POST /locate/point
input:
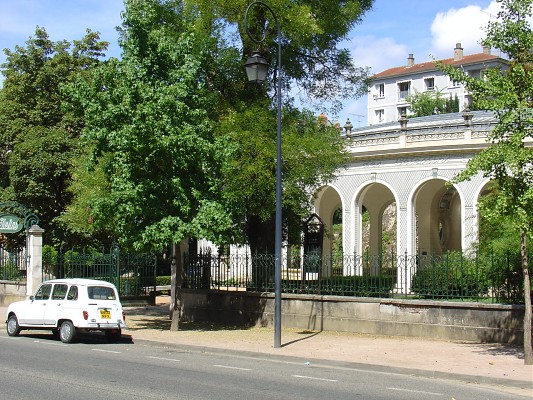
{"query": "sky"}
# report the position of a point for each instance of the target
(387, 34)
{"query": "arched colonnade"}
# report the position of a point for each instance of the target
(398, 185)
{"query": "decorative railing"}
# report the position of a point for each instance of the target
(12, 265)
(133, 274)
(454, 276)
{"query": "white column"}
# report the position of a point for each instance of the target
(405, 242)
(34, 270)
(470, 228)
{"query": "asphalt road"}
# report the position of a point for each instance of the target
(35, 366)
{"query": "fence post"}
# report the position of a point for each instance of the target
(34, 270)
(407, 287)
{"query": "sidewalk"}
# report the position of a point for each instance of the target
(488, 364)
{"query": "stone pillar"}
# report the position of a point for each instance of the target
(405, 243)
(470, 225)
(356, 239)
(34, 270)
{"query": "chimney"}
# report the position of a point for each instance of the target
(458, 52)
(486, 50)
(410, 60)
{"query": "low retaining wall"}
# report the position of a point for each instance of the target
(11, 291)
(460, 321)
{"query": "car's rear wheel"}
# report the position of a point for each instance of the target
(67, 331)
(13, 327)
(113, 335)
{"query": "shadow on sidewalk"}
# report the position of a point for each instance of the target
(309, 335)
(157, 318)
(498, 349)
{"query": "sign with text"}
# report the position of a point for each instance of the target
(10, 224)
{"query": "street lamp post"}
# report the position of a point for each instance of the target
(256, 69)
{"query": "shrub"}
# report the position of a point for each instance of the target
(450, 276)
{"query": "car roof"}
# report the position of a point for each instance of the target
(80, 282)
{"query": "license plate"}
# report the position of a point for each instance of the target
(105, 314)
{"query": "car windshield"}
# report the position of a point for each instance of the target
(101, 293)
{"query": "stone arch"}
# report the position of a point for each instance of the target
(328, 201)
(482, 190)
(436, 217)
(375, 197)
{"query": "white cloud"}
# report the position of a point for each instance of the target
(464, 25)
(378, 53)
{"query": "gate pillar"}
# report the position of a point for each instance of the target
(34, 270)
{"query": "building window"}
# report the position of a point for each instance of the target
(380, 116)
(403, 90)
(429, 83)
(380, 89)
(475, 73)
(402, 111)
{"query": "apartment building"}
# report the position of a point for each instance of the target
(387, 98)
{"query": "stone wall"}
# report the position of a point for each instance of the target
(473, 322)
(11, 291)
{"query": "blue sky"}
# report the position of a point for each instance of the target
(385, 37)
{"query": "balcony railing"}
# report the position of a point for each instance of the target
(403, 94)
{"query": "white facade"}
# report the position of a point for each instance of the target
(389, 89)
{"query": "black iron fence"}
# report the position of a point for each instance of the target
(13, 265)
(453, 276)
(134, 275)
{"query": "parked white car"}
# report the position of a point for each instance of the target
(69, 306)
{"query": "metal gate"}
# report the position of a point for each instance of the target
(134, 275)
(15, 222)
(13, 264)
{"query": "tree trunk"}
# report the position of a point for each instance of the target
(528, 352)
(176, 284)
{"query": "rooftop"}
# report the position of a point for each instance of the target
(458, 60)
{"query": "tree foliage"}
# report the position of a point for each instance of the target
(148, 127)
(312, 31)
(509, 158)
(170, 126)
(431, 102)
(312, 154)
(38, 139)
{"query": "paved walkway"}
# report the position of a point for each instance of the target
(497, 365)
(488, 364)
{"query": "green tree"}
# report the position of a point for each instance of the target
(427, 103)
(150, 135)
(312, 154)
(311, 30)
(38, 139)
(509, 157)
(496, 235)
(312, 62)
(149, 127)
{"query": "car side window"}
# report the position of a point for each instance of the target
(73, 293)
(44, 292)
(59, 292)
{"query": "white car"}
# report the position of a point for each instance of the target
(68, 306)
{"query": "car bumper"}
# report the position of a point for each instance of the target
(101, 327)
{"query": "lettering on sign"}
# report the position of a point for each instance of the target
(10, 224)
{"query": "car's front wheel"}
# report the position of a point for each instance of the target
(13, 327)
(67, 331)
